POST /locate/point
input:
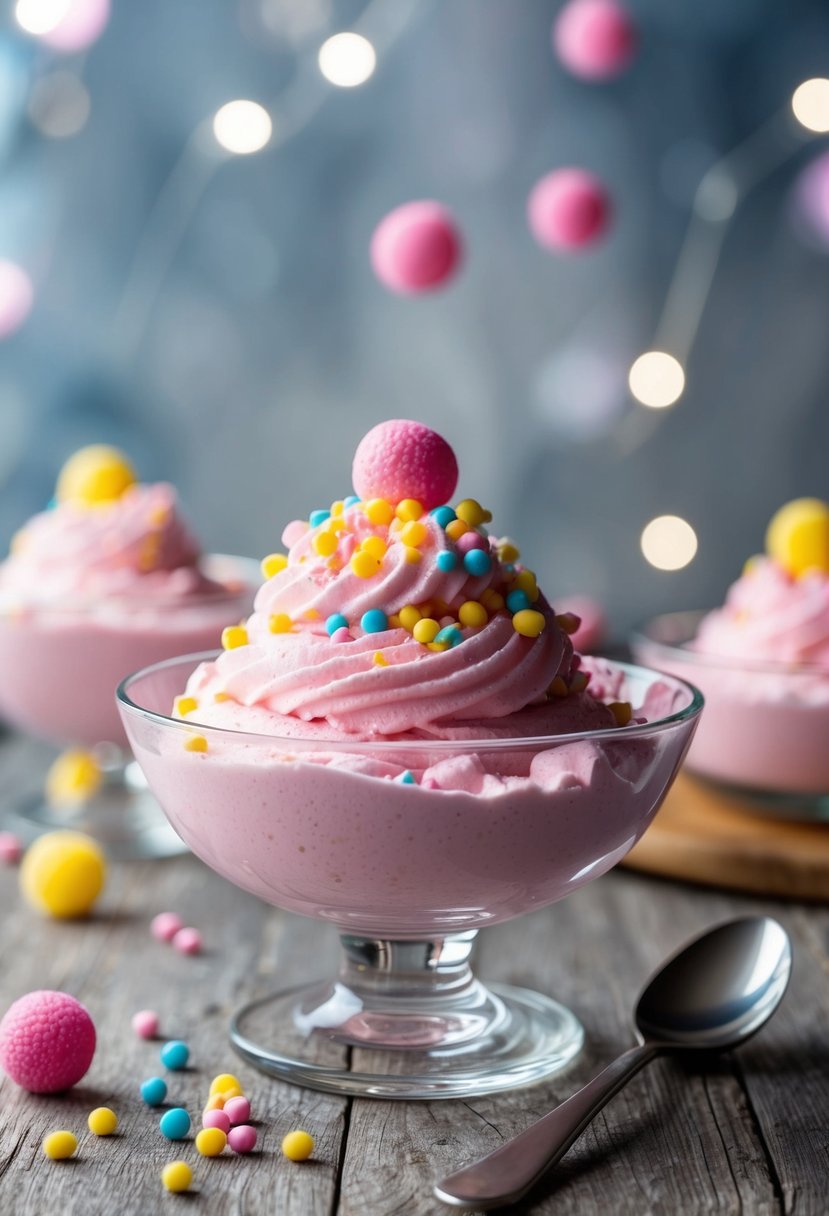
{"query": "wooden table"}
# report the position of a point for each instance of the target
(750, 1134)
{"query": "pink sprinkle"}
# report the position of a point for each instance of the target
(11, 848)
(188, 941)
(216, 1118)
(145, 1023)
(416, 247)
(341, 634)
(242, 1139)
(237, 1110)
(165, 926)
(471, 540)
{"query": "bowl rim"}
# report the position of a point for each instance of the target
(381, 747)
(685, 623)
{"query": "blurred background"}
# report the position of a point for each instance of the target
(198, 289)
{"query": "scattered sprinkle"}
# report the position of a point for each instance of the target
(102, 1121)
(334, 622)
(273, 564)
(529, 623)
(145, 1023)
(177, 1176)
(280, 622)
(154, 1090)
(165, 926)
(234, 636)
(174, 1123)
(188, 941)
(196, 743)
(175, 1054)
(477, 562)
(60, 1145)
(298, 1146)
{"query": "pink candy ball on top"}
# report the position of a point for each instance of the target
(416, 247)
(402, 459)
(568, 209)
(595, 39)
(47, 1041)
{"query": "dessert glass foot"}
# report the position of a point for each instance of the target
(361, 835)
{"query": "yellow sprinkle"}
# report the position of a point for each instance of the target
(394, 621)
(233, 1091)
(234, 636)
(493, 601)
(94, 476)
(177, 1176)
(471, 512)
(73, 778)
(559, 688)
(60, 1145)
(157, 517)
(526, 581)
(375, 546)
(472, 614)
(102, 1121)
(425, 609)
(185, 705)
(508, 552)
(412, 556)
(568, 621)
(379, 659)
(456, 529)
(312, 614)
(298, 1146)
(621, 711)
(528, 623)
(798, 537)
(409, 508)
(409, 616)
(273, 563)
(437, 645)
(413, 533)
(210, 1141)
(426, 630)
(214, 1102)
(196, 743)
(280, 622)
(337, 507)
(218, 697)
(364, 565)
(379, 511)
(224, 1080)
(579, 682)
(324, 544)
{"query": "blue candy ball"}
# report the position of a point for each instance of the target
(518, 600)
(154, 1091)
(335, 621)
(318, 517)
(175, 1054)
(477, 562)
(351, 501)
(446, 560)
(374, 621)
(175, 1123)
(443, 515)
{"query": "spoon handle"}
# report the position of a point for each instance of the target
(508, 1173)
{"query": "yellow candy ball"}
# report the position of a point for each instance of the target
(60, 1145)
(211, 1141)
(94, 476)
(529, 623)
(364, 565)
(413, 533)
(798, 536)
(471, 512)
(379, 511)
(225, 1080)
(298, 1146)
(102, 1121)
(273, 564)
(63, 874)
(472, 614)
(408, 508)
(426, 630)
(409, 616)
(375, 546)
(73, 778)
(177, 1176)
(324, 544)
(234, 636)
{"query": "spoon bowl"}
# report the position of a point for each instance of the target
(712, 995)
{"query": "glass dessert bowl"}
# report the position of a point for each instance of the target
(92, 590)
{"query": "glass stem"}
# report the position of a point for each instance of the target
(373, 967)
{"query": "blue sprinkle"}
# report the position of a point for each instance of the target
(374, 621)
(509, 568)
(154, 1091)
(351, 501)
(318, 517)
(406, 778)
(477, 561)
(518, 600)
(446, 560)
(335, 621)
(450, 634)
(175, 1123)
(443, 515)
(175, 1054)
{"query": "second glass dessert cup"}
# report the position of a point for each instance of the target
(408, 873)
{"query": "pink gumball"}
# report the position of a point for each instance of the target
(595, 39)
(568, 209)
(47, 1041)
(242, 1139)
(237, 1110)
(402, 459)
(416, 247)
(216, 1118)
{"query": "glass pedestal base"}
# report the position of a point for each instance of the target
(407, 1020)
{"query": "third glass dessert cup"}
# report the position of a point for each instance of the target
(407, 873)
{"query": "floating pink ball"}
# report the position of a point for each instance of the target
(11, 848)
(165, 926)
(216, 1118)
(568, 209)
(237, 1110)
(145, 1023)
(595, 39)
(242, 1139)
(416, 247)
(16, 297)
(402, 459)
(188, 941)
(47, 1041)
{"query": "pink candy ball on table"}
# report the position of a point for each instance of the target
(47, 1041)
(145, 1023)
(237, 1110)
(595, 39)
(242, 1139)
(165, 926)
(403, 459)
(188, 941)
(568, 209)
(415, 248)
(216, 1118)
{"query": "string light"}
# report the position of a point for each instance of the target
(656, 379)
(242, 127)
(669, 543)
(347, 60)
(810, 102)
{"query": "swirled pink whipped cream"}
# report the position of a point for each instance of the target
(770, 614)
(335, 647)
(135, 547)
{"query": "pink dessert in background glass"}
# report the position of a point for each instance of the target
(762, 662)
(107, 579)
(402, 741)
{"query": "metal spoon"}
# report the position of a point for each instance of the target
(712, 995)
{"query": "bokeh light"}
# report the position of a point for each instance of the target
(810, 102)
(66, 25)
(669, 543)
(242, 127)
(59, 105)
(579, 393)
(38, 17)
(347, 60)
(656, 379)
(16, 297)
(811, 199)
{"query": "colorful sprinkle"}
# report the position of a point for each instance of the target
(526, 581)
(341, 635)
(443, 515)
(60, 1145)
(406, 778)
(471, 540)
(364, 565)
(318, 517)
(102, 1121)
(450, 634)
(379, 512)
(375, 546)
(234, 636)
(184, 706)
(426, 630)
(177, 1176)
(298, 1146)
(508, 552)
(175, 1054)
(472, 614)
(216, 1117)
(351, 501)
(273, 564)
(622, 712)
(529, 623)
(559, 687)
(325, 544)
(446, 560)
(411, 554)
(374, 621)
(154, 1091)
(334, 622)
(518, 600)
(472, 513)
(408, 509)
(222, 1082)
(165, 926)
(477, 562)
(195, 743)
(242, 1139)
(568, 621)
(493, 601)
(188, 941)
(211, 1141)
(280, 622)
(145, 1023)
(409, 616)
(413, 533)
(456, 529)
(11, 848)
(380, 659)
(237, 1109)
(175, 1123)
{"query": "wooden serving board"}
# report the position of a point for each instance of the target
(704, 835)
